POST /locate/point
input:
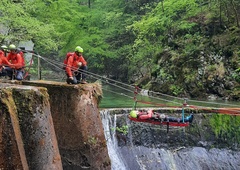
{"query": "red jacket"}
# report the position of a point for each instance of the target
(72, 63)
(4, 61)
(2, 54)
(16, 60)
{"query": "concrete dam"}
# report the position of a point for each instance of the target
(51, 125)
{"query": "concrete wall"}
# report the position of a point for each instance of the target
(58, 116)
(28, 139)
(77, 124)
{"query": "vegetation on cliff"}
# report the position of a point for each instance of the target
(180, 47)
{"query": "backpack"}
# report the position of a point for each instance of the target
(23, 59)
(22, 55)
(66, 59)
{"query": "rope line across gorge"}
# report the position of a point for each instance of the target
(135, 91)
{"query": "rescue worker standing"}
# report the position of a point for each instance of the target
(75, 64)
(17, 63)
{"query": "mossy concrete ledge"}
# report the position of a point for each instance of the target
(77, 124)
(27, 136)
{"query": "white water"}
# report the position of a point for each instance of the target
(109, 132)
(131, 157)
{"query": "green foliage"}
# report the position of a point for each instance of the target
(160, 21)
(236, 75)
(226, 127)
(176, 90)
(130, 40)
(157, 29)
(123, 129)
(92, 140)
(19, 22)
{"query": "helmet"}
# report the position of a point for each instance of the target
(4, 47)
(133, 114)
(12, 47)
(79, 49)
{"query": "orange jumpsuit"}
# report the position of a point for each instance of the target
(3, 60)
(16, 60)
(145, 115)
(72, 64)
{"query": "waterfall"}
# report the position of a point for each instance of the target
(132, 156)
(109, 127)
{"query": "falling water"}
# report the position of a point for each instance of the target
(132, 157)
(139, 157)
(109, 132)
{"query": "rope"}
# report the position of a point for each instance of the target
(206, 102)
(122, 94)
(229, 111)
(218, 110)
(129, 88)
(27, 72)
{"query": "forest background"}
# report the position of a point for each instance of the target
(187, 48)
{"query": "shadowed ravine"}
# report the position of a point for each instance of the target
(148, 147)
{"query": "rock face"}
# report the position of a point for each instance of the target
(77, 124)
(28, 139)
(51, 126)
(207, 130)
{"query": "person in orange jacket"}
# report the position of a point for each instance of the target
(4, 50)
(17, 63)
(4, 63)
(142, 115)
(76, 65)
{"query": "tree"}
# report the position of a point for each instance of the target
(19, 24)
